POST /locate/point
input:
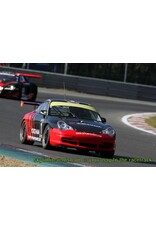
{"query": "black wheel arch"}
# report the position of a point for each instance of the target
(45, 125)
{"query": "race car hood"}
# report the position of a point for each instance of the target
(87, 126)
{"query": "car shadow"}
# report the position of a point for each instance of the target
(93, 154)
(116, 158)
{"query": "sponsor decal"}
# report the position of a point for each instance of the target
(97, 126)
(72, 123)
(35, 131)
(35, 138)
(73, 104)
(88, 134)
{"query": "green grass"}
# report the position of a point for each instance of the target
(151, 121)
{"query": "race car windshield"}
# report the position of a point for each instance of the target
(75, 112)
(7, 78)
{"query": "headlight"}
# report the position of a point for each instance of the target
(109, 131)
(63, 126)
(1, 88)
(10, 87)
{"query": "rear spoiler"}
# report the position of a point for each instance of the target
(37, 103)
(33, 75)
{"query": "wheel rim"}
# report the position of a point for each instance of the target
(46, 137)
(23, 132)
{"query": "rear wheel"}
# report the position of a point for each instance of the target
(34, 92)
(23, 134)
(46, 138)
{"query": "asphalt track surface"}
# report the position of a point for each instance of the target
(133, 147)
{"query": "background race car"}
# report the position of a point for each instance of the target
(17, 86)
(68, 123)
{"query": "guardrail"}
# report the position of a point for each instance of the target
(91, 85)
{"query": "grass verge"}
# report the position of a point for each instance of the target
(151, 121)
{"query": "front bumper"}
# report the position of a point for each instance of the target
(82, 140)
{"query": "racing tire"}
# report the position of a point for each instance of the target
(109, 154)
(23, 134)
(20, 94)
(20, 91)
(46, 138)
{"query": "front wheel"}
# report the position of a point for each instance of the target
(46, 138)
(23, 134)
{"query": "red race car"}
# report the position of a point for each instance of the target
(17, 86)
(68, 123)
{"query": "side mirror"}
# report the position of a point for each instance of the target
(103, 120)
(43, 112)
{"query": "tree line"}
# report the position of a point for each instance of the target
(136, 72)
(142, 73)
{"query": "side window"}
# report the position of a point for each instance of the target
(44, 106)
(22, 79)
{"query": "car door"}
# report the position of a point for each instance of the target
(38, 120)
(24, 85)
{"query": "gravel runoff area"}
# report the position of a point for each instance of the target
(10, 162)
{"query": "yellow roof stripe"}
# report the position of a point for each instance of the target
(55, 103)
